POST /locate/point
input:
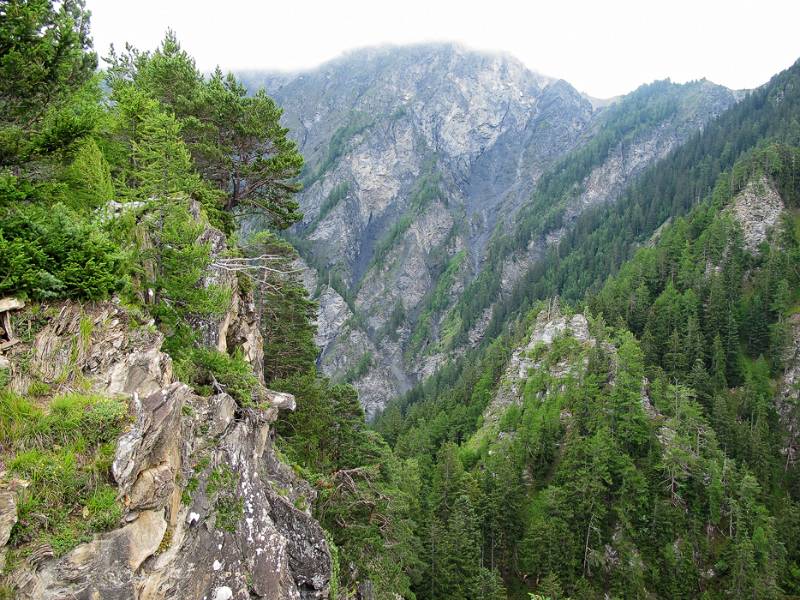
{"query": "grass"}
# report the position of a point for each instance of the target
(38, 388)
(228, 506)
(64, 451)
(86, 328)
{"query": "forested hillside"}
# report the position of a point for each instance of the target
(595, 242)
(650, 448)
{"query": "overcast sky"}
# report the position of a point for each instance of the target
(604, 48)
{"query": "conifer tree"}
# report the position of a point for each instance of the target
(718, 365)
(45, 58)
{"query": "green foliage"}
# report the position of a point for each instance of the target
(288, 315)
(359, 483)
(358, 370)
(45, 60)
(173, 266)
(208, 370)
(88, 177)
(235, 139)
(162, 229)
(336, 569)
(603, 237)
(228, 505)
(53, 251)
(65, 453)
(580, 472)
(435, 304)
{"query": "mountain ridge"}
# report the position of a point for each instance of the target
(415, 155)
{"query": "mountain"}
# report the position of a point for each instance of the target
(416, 157)
(179, 461)
(601, 341)
(636, 438)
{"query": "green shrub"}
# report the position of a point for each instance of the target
(88, 177)
(52, 251)
(229, 507)
(203, 366)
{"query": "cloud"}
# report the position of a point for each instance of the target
(603, 48)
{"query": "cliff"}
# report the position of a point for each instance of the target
(202, 506)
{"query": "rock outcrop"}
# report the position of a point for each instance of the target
(757, 209)
(550, 325)
(209, 509)
(100, 345)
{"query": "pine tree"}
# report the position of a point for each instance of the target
(781, 299)
(675, 356)
(699, 381)
(757, 328)
(718, 365)
(550, 587)
(731, 344)
(45, 59)
(235, 138)
(463, 570)
(502, 499)
(447, 484)
(693, 341)
(628, 421)
(488, 586)
(88, 177)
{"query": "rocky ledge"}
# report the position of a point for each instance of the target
(208, 509)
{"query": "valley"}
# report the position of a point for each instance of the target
(418, 323)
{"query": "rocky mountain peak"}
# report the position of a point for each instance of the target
(417, 156)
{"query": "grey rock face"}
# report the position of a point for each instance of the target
(757, 209)
(417, 154)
